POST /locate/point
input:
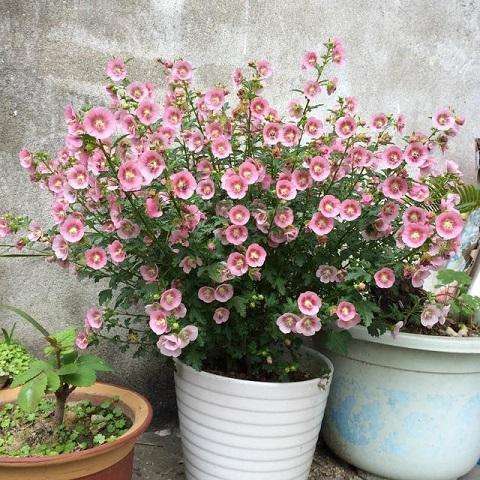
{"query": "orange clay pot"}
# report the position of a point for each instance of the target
(111, 461)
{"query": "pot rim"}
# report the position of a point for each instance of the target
(417, 341)
(240, 381)
(133, 433)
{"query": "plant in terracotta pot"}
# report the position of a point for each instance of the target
(55, 417)
(226, 232)
(14, 358)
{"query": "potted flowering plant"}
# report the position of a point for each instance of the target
(228, 232)
(57, 422)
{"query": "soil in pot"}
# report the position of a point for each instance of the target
(86, 425)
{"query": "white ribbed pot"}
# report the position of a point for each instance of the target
(241, 430)
(406, 408)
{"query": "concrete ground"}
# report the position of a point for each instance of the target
(158, 456)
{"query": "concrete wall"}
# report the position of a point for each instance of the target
(406, 56)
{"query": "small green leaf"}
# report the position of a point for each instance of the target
(32, 392)
(83, 377)
(447, 276)
(337, 341)
(93, 362)
(105, 296)
(53, 381)
(67, 369)
(36, 367)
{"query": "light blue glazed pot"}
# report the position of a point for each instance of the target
(406, 408)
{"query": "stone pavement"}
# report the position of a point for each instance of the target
(158, 456)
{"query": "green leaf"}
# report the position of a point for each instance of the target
(53, 381)
(32, 392)
(36, 367)
(67, 369)
(469, 198)
(367, 311)
(240, 305)
(336, 341)
(93, 362)
(83, 377)
(104, 296)
(447, 276)
(65, 340)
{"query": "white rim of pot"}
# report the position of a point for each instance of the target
(420, 342)
(204, 374)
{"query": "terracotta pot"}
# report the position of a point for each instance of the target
(111, 461)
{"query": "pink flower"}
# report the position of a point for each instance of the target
(239, 215)
(116, 69)
(443, 119)
(287, 322)
(56, 183)
(137, 91)
(313, 127)
(152, 207)
(206, 294)
(394, 187)
(271, 133)
(223, 293)
(170, 299)
(284, 217)
(214, 99)
(94, 318)
(285, 190)
(350, 210)
(72, 229)
(236, 234)
(309, 60)
(172, 117)
(431, 315)
(414, 235)
(151, 165)
(389, 211)
(221, 147)
(351, 104)
(255, 255)
(158, 322)
(96, 258)
(419, 277)
(77, 177)
(60, 247)
(149, 273)
(309, 303)
(379, 122)
(206, 189)
(414, 215)
(320, 224)
(384, 278)
(264, 68)
(235, 186)
(26, 159)
(319, 168)
(170, 345)
(116, 251)
(347, 324)
(82, 340)
(130, 176)
(188, 334)
(301, 179)
(329, 206)
(34, 231)
(295, 108)
(99, 123)
(221, 315)
(259, 107)
(182, 70)
(248, 171)
(194, 141)
(148, 112)
(346, 311)
(326, 273)
(449, 224)
(127, 230)
(396, 329)
(392, 157)
(312, 89)
(345, 127)
(308, 325)
(416, 154)
(183, 184)
(290, 135)
(237, 264)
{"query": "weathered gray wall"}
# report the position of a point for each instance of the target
(406, 56)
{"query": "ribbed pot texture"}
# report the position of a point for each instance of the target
(111, 461)
(406, 408)
(241, 430)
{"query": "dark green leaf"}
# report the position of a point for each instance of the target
(93, 362)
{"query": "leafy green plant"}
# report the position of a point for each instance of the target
(14, 358)
(62, 370)
(469, 198)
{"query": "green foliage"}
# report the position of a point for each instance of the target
(469, 198)
(14, 359)
(336, 341)
(25, 434)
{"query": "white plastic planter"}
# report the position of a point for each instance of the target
(406, 408)
(241, 430)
